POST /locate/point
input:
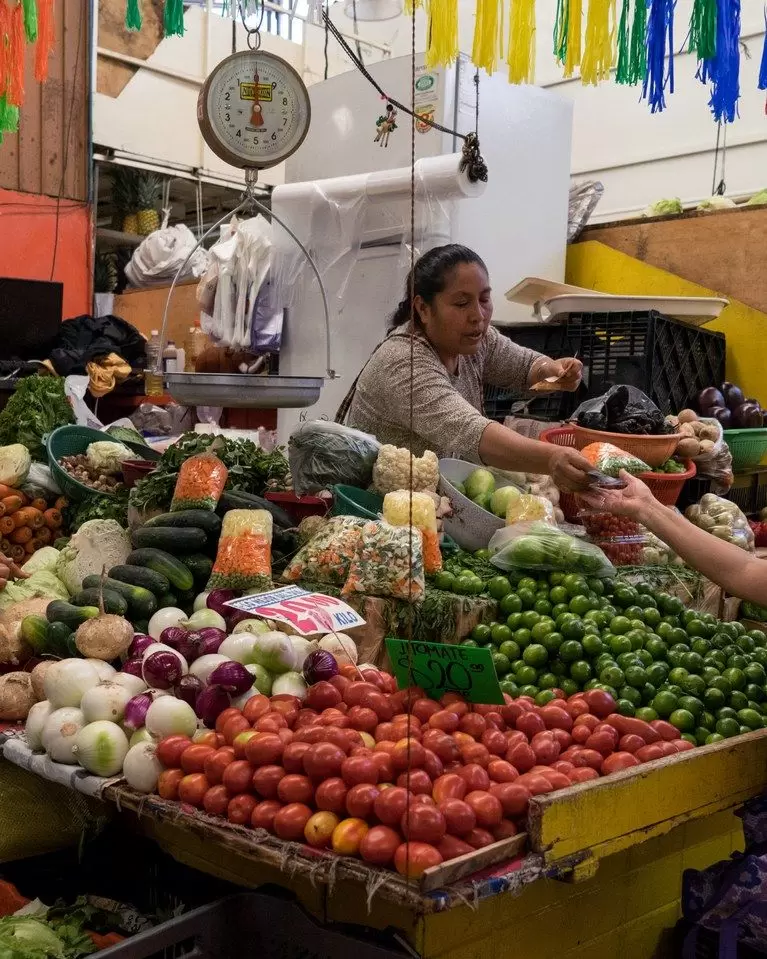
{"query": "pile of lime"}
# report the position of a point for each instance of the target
(658, 659)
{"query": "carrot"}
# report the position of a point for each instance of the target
(30, 547)
(61, 503)
(28, 516)
(5, 547)
(52, 518)
(17, 553)
(21, 535)
(2, 508)
(43, 536)
(7, 491)
(7, 526)
(12, 503)
(39, 504)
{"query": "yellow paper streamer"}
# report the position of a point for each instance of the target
(521, 53)
(442, 32)
(573, 25)
(411, 6)
(487, 35)
(599, 49)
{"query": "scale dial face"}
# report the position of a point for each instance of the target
(254, 110)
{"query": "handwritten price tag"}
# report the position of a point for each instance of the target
(307, 613)
(439, 668)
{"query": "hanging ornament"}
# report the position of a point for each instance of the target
(660, 45)
(442, 31)
(45, 38)
(15, 57)
(4, 30)
(173, 23)
(722, 70)
(763, 67)
(624, 44)
(599, 48)
(703, 29)
(30, 20)
(632, 49)
(9, 118)
(567, 34)
(521, 49)
(133, 18)
(487, 35)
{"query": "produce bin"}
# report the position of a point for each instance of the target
(749, 490)
(747, 447)
(351, 501)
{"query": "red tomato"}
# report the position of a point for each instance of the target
(530, 724)
(514, 737)
(630, 743)
(238, 777)
(602, 742)
(495, 742)
(562, 737)
(264, 750)
(379, 703)
(441, 744)
(556, 717)
(322, 695)
(649, 752)
(406, 724)
(193, 758)
(546, 748)
(583, 774)
(449, 786)
(359, 769)
(225, 715)
(318, 830)
(240, 741)
(558, 780)
(506, 829)
(384, 732)
(333, 717)
(417, 782)
(340, 681)
(586, 719)
(270, 723)
(450, 847)
(412, 859)
(216, 763)
(206, 737)
(266, 779)
(424, 709)
(305, 717)
(331, 796)
(535, 783)
(264, 813)
(475, 753)
(422, 799)
(362, 718)
(216, 800)
(473, 725)
(360, 800)
(293, 757)
(460, 817)
(408, 753)
(379, 845)
(390, 805)
(576, 707)
(385, 767)
(563, 766)
(357, 691)
(475, 777)
(290, 821)
(512, 711)
(487, 808)
(501, 771)
(170, 749)
(287, 709)
(433, 765)
(240, 809)
(348, 835)
(192, 789)
(618, 761)
(167, 783)
(581, 734)
(444, 720)
(463, 739)
(521, 757)
(295, 789)
(233, 726)
(588, 757)
(665, 730)
(323, 761)
(682, 745)
(479, 838)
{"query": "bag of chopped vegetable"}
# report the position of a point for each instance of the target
(326, 558)
(398, 510)
(610, 459)
(244, 557)
(538, 546)
(383, 564)
(528, 508)
(201, 481)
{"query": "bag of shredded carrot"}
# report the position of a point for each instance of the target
(326, 558)
(397, 510)
(383, 565)
(201, 481)
(610, 459)
(244, 557)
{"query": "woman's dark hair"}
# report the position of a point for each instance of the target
(430, 275)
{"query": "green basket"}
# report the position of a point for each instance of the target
(351, 501)
(72, 440)
(747, 447)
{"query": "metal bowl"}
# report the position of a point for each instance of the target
(243, 390)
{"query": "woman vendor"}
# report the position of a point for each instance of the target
(455, 352)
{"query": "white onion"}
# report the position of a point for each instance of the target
(239, 701)
(204, 617)
(238, 648)
(134, 684)
(168, 716)
(262, 682)
(101, 747)
(140, 736)
(142, 768)
(341, 647)
(302, 649)
(291, 683)
(105, 671)
(59, 733)
(170, 616)
(105, 701)
(66, 682)
(201, 601)
(36, 720)
(255, 626)
(204, 666)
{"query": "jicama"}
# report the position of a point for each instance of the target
(244, 557)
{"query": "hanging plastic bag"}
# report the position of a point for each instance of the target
(610, 460)
(722, 519)
(622, 409)
(716, 463)
(323, 454)
(383, 564)
(538, 546)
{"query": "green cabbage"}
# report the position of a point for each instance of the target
(664, 207)
(42, 584)
(43, 559)
(14, 464)
(716, 203)
(758, 198)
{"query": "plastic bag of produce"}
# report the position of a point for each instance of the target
(538, 546)
(326, 558)
(715, 463)
(383, 564)
(201, 481)
(528, 508)
(723, 519)
(322, 454)
(610, 460)
(244, 557)
(397, 511)
(622, 409)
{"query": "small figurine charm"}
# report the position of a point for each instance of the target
(385, 125)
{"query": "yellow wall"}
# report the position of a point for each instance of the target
(598, 267)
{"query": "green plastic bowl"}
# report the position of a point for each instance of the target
(72, 440)
(747, 447)
(351, 501)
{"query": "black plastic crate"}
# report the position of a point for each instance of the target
(749, 490)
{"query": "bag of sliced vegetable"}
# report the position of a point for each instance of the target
(244, 557)
(402, 507)
(201, 481)
(327, 556)
(383, 564)
(539, 546)
(610, 459)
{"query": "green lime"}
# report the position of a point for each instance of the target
(510, 649)
(481, 633)
(463, 586)
(529, 690)
(557, 667)
(728, 727)
(693, 662)
(745, 643)
(620, 625)
(726, 712)
(514, 621)
(612, 676)
(692, 705)
(548, 681)
(664, 704)
(596, 585)
(750, 718)
(511, 603)
(634, 612)
(625, 596)
(558, 610)
(646, 714)
(522, 637)
(530, 618)
(683, 719)
(558, 594)
(572, 628)
(580, 671)
(670, 605)
(737, 662)
(714, 698)
(568, 686)
(500, 633)
(706, 719)
(502, 664)
(526, 675)
(570, 651)
(696, 628)
(652, 617)
(444, 580)
(721, 683)
(714, 738)
(575, 584)
(694, 685)
(630, 694)
(555, 578)
(626, 708)
(657, 673)
(498, 587)
(677, 675)
(535, 655)
(736, 678)
(620, 644)
(509, 686)
(648, 693)
(543, 607)
(527, 582)
(636, 676)
(580, 605)
(526, 597)
(755, 673)
(755, 692)
(552, 642)
(592, 645)
(637, 638)
(543, 697)
(541, 629)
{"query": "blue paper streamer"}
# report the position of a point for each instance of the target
(660, 43)
(763, 68)
(722, 70)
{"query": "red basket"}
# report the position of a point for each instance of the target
(665, 487)
(299, 507)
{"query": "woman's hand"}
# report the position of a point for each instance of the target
(564, 374)
(633, 500)
(568, 469)
(9, 570)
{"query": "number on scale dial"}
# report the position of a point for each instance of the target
(254, 110)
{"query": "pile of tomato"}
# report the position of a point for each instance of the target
(395, 777)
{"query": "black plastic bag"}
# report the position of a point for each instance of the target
(622, 409)
(324, 454)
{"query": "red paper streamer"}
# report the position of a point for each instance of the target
(45, 38)
(4, 24)
(15, 58)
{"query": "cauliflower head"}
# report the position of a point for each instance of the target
(106, 456)
(97, 544)
(391, 471)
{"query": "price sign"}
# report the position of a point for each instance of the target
(305, 612)
(439, 668)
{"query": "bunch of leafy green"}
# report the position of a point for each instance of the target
(251, 469)
(98, 507)
(37, 407)
(57, 933)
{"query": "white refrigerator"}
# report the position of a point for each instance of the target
(518, 224)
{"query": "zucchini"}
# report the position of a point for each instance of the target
(168, 601)
(113, 602)
(180, 576)
(188, 519)
(173, 539)
(59, 611)
(234, 499)
(141, 602)
(140, 576)
(34, 632)
(58, 638)
(201, 567)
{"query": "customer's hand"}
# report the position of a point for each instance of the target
(633, 500)
(568, 469)
(9, 570)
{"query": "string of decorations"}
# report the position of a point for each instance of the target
(633, 40)
(22, 22)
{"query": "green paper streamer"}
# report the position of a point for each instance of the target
(133, 18)
(30, 20)
(624, 45)
(174, 18)
(638, 50)
(703, 29)
(9, 117)
(560, 30)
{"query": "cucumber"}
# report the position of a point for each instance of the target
(234, 499)
(175, 539)
(168, 601)
(113, 602)
(60, 611)
(180, 576)
(58, 639)
(140, 576)
(141, 602)
(34, 632)
(188, 519)
(201, 567)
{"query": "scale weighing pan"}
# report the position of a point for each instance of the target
(243, 390)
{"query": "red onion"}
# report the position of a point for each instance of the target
(217, 598)
(319, 666)
(162, 670)
(211, 702)
(189, 689)
(235, 616)
(172, 635)
(232, 677)
(134, 666)
(136, 710)
(210, 638)
(139, 644)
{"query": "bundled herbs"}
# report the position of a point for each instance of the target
(113, 507)
(37, 407)
(251, 470)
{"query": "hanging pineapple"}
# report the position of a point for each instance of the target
(105, 273)
(148, 187)
(124, 197)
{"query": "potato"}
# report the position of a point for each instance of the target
(685, 429)
(697, 427)
(706, 447)
(709, 432)
(687, 416)
(688, 448)
(16, 696)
